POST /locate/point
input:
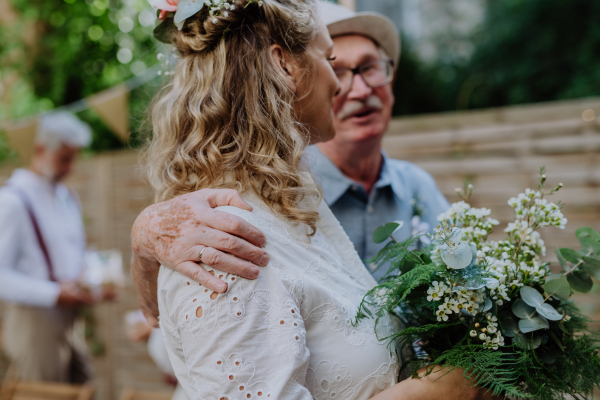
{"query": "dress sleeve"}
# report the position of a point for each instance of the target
(248, 343)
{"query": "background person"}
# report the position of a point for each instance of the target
(42, 244)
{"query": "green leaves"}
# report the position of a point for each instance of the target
(532, 310)
(580, 281)
(531, 296)
(592, 266)
(533, 324)
(382, 233)
(558, 288)
(570, 255)
(585, 262)
(522, 310)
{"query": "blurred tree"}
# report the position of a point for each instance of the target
(535, 50)
(55, 52)
(526, 51)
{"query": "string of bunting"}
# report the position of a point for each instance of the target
(111, 105)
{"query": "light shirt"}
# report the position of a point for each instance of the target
(402, 192)
(23, 269)
(287, 335)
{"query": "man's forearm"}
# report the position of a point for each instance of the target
(23, 289)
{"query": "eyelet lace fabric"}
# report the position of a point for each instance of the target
(287, 334)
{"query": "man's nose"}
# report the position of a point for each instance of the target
(360, 89)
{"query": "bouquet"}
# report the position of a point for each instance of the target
(494, 308)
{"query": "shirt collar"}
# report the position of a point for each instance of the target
(327, 175)
(32, 182)
(334, 183)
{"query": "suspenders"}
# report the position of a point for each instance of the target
(36, 227)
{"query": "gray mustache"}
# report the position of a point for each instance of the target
(353, 106)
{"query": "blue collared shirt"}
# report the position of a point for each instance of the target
(402, 192)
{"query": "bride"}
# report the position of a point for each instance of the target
(252, 89)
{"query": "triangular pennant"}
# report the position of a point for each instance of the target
(20, 136)
(112, 106)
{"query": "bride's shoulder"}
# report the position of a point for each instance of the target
(273, 226)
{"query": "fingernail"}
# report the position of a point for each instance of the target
(224, 288)
(264, 260)
(253, 273)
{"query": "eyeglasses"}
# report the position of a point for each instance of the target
(375, 74)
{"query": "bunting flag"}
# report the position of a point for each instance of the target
(20, 136)
(112, 106)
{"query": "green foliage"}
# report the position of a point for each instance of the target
(550, 356)
(525, 51)
(59, 51)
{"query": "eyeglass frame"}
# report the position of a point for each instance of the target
(356, 71)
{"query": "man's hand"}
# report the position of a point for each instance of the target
(174, 233)
(72, 295)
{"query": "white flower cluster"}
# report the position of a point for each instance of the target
(453, 302)
(489, 335)
(215, 7)
(474, 222)
(531, 206)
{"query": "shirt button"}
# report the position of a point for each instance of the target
(354, 187)
(370, 209)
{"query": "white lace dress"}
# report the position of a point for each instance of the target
(287, 334)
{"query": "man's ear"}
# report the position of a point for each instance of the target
(284, 64)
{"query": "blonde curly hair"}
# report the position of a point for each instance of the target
(226, 118)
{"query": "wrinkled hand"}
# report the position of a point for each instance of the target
(73, 295)
(440, 384)
(174, 233)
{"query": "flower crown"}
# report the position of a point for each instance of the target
(184, 9)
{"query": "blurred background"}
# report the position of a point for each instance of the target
(486, 91)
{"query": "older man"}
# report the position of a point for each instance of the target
(42, 243)
(363, 187)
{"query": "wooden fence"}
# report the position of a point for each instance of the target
(498, 150)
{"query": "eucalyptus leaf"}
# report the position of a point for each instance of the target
(531, 296)
(187, 8)
(510, 327)
(580, 281)
(522, 310)
(558, 288)
(458, 257)
(561, 259)
(585, 231)
(549, 312)
(525, 342)
(555, 276)
(589, 243)
(592, 266)
(383, 232)
(488, 305)
(570, 255)
(533, 324)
